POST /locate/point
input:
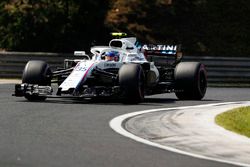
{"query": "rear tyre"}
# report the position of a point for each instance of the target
(38, 73)
(131, 79)
(191, 81)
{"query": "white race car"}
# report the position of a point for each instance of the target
(124, 69)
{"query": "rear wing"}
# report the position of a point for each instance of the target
(166, 49)
(162, 55)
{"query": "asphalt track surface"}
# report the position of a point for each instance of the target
(65, 132)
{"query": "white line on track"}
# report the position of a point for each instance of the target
(117, 125)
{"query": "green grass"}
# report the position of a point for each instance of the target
(236, 120)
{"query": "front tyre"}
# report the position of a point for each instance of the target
(36, 72)
(190, 80)
(131, 79)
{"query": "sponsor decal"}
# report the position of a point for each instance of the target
(137, 58)
(109, 65)
(81, 68)
(159, 47)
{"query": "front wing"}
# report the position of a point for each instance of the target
(22, 90)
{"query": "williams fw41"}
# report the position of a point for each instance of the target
(124, 70)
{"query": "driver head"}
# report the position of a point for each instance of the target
(112, 56)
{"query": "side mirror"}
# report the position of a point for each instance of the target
(79, 53)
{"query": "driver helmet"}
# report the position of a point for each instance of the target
(112, 56)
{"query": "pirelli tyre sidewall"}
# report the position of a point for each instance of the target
(190, 81)
(131, 80)
(39, 73)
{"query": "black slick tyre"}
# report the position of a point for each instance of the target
(131, 80)
(190, 81)
(38, 73)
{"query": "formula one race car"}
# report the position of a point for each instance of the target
(125, 69)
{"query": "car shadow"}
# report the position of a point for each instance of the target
(148, 101)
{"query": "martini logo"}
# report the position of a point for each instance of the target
(160, 47)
